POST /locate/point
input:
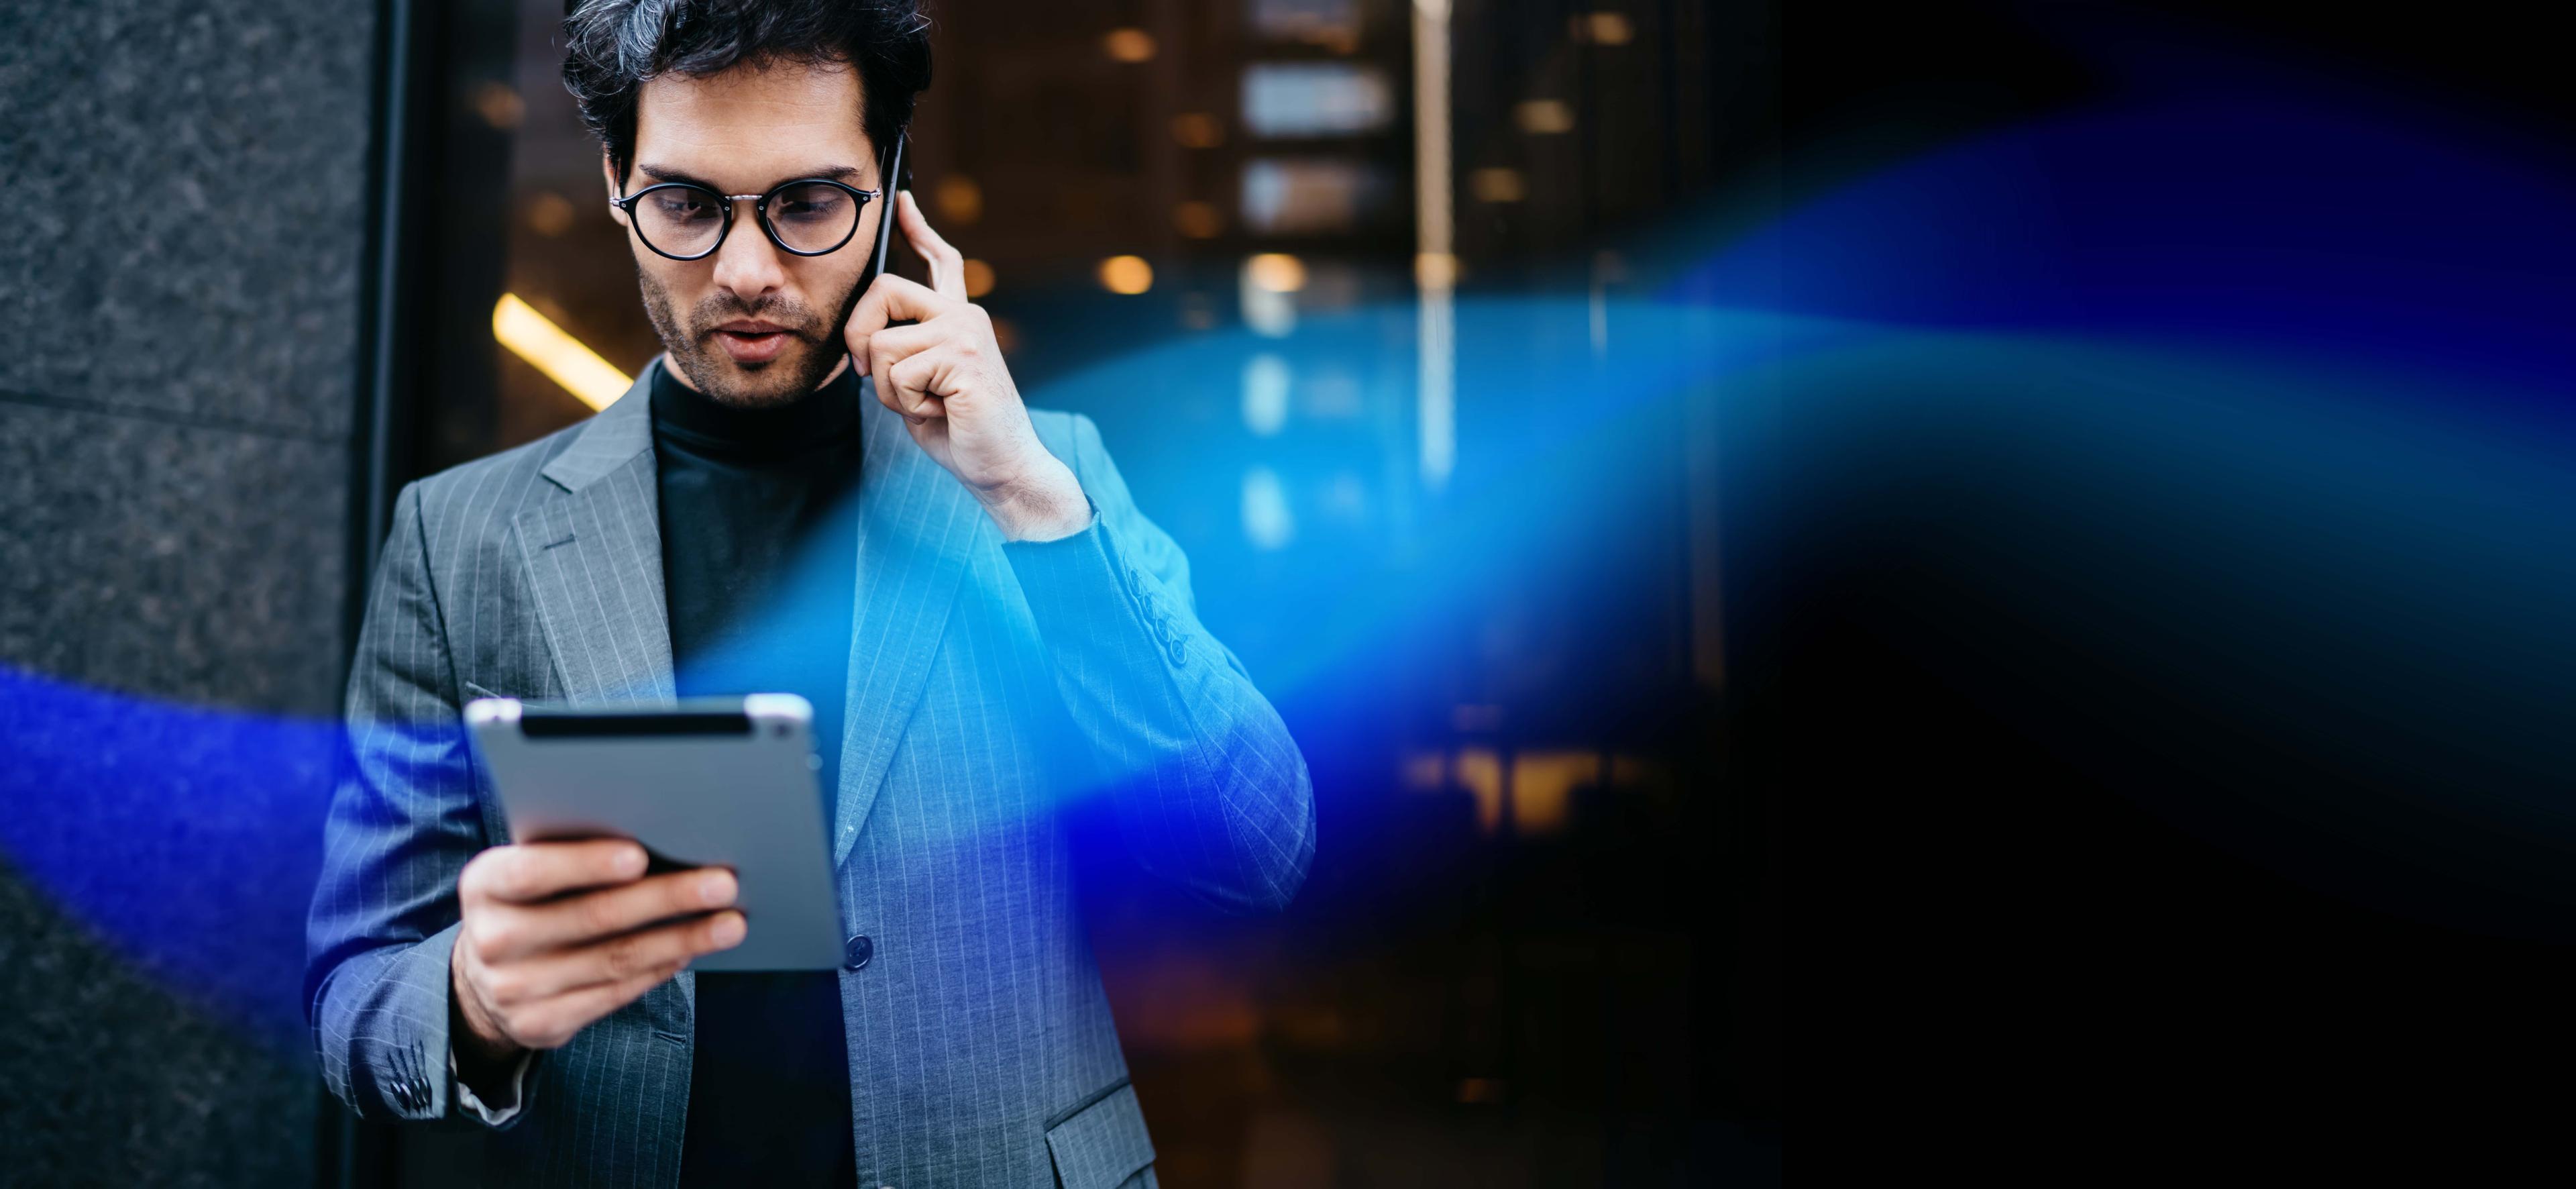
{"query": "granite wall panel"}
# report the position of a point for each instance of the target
(187, 204)
(174, 560)
(179, 280)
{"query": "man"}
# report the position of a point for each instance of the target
(987, 625)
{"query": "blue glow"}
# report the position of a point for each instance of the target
(2256, 364)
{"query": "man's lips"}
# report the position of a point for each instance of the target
(753, 341)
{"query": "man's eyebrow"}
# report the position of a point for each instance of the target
(664, 173)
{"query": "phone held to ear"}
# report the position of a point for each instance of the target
(892, 181)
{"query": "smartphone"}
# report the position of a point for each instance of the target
(891, 179)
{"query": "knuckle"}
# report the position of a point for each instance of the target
(505, 987)
(624, 957)
(496, 938)
(476, 881)
(599, 914)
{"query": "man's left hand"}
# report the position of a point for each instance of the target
(944, 375)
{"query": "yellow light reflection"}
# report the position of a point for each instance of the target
(1436, 270)
(960, 200)
(533, 337)
(1543, 117)
(1277, 272)
(1129, 45)
(1126, 274)
(1608, 28)
(1197, 130)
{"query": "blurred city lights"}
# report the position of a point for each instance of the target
(1543, 117)
(1605, 28)
(1266, 520)
(960, 199)
(1197, 130)
(534, 337)
(1265, 394)
(1197, 220)
(979, 278)
(549, 214)
(1126, 274)
(1435, 270)
(1316, 99)
(500, 106)
(1435, 238)
(1497, 185)
(1129, 45)
(1277, 272)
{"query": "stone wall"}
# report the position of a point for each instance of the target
(179, 305)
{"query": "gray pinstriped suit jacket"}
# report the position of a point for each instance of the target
(989, 683)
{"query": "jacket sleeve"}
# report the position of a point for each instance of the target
(1210, 790)
(403, 821)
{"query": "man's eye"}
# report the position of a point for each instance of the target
(808, 204)
(683, 206)
(808, 210)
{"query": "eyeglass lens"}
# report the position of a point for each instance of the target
(688, 221)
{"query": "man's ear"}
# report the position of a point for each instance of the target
(608, 175)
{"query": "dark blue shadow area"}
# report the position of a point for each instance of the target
(187, 838)
(2211, 440)
(2316, 621)
(2212, 198)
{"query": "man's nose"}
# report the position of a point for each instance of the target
(748, 265)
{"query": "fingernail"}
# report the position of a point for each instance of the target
(630, 861)
(728, 930)
(715, 887)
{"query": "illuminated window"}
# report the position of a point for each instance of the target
(1291, 196)
(1316, 99)
(1333, 24)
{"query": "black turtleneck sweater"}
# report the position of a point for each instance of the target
(760, 566)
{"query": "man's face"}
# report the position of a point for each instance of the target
(750, 325)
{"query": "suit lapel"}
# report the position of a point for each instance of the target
(594, 562)
(917, 528)
(594, 559)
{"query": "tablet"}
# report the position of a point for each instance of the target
(725, 782)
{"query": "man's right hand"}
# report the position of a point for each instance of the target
(558, 934)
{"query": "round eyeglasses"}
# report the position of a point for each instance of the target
(807, 217)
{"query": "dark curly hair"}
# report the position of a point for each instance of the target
(613, 47)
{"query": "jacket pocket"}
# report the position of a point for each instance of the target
(1103, 1143)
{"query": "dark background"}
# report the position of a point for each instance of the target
(2201, 872)
(2085, 908)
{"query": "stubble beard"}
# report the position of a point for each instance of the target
(783, 381)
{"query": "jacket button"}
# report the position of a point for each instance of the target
(855, 955)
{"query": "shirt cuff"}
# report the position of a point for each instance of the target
(491, 1115)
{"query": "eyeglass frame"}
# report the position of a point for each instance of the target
(759, 209)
